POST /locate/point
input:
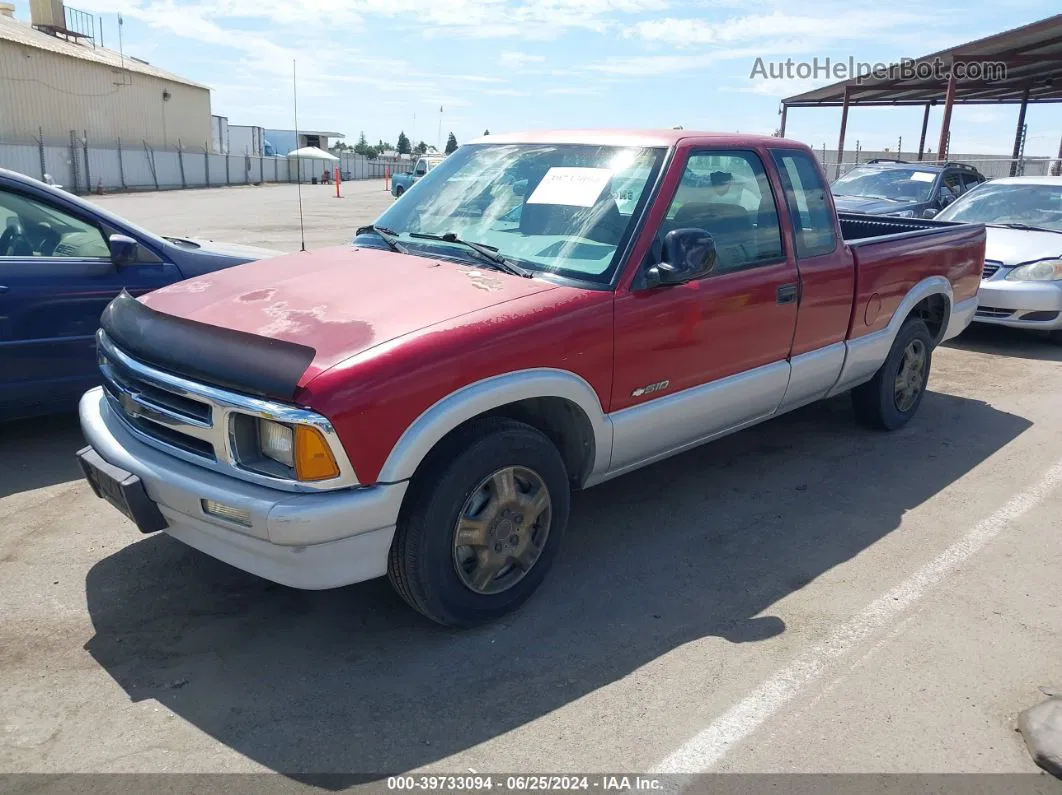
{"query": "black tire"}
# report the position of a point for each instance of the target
(422, 564)
(875, 402)
(399, 191)
(1055, 337)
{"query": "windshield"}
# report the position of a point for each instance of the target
(895, 184)
(566, 209)
(996, 203)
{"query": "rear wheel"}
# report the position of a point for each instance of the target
(1055, 337)
(889, 400)
(483, 523)
(399, 191)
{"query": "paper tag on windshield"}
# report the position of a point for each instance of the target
(923, 176)
(573, 187)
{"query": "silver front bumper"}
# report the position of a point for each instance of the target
(1008, 303)
(304, 540)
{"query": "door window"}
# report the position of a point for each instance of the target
(728, 195)
(421, 168)
(31, 228)
(953, 182)
(805, 193)
(971, 181)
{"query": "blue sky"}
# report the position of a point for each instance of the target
(387, 65)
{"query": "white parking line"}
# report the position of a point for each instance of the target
(707, 748)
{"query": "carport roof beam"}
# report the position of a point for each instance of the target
(1031, 53)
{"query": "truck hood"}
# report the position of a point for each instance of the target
(858, 204)
(1015, 246)
(339, 301)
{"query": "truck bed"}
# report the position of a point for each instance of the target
(893, 254)
(858, 229)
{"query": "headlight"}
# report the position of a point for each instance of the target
(903, 214)
(1046, 270)
(286, 450)
(277, 441)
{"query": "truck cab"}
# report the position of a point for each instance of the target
(400, 183)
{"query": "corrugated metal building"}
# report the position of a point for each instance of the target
(56, 85)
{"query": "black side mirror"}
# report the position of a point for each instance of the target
(124, 250)
(687, 254)
(930, 212)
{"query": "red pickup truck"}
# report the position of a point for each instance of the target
(541, 312)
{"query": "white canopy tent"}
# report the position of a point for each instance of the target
(307, 161)
(312, 153)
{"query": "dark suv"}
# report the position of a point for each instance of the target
(897, 187)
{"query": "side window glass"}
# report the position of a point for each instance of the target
(728, 195)
(805, 193)
(30, 228)
(421, 168)
(953, 182)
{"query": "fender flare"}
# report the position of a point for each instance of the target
(864, 355)
(480, 397)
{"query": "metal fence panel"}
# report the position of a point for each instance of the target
(217, 169)
(168, 169)
(239, 173)
(194, 170)
(57, 163)
(22, 158)
(103, 170)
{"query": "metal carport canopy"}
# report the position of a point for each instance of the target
(1032, 55)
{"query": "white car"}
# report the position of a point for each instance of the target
(1021, 285)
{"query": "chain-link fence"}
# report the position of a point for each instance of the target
(83, 166)
(992, 166)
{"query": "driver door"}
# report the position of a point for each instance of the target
(698, 359)
(56, 277)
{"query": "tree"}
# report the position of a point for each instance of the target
(451, 144)
(363, 147)
(486, 132)
(403, 144)
(421, 148)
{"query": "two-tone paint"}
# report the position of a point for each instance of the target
(416, 347)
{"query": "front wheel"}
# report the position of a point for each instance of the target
(889, 400)
(483, 523)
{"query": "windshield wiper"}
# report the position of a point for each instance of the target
(487, 253)
(388, 236)
(1029, 228)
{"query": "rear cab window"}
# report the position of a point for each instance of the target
(805, 194)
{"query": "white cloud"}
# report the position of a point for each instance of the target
(822, 29)
(518, 60)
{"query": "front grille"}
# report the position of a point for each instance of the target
(990, 269)
(993, 312)
(193, 420)
(158, 410)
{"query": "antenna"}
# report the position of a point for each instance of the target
(298, 158)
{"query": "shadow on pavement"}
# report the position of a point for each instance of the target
(353, 682)
(39, 452)
(1004, 341)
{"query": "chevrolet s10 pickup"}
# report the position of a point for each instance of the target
(540, 313)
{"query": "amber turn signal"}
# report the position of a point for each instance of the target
(313, 457)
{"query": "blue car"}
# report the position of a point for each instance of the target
(62, 260)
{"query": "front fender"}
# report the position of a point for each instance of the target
(491, 393)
